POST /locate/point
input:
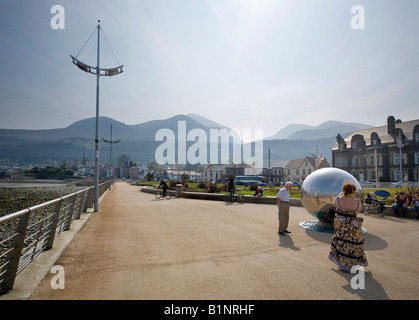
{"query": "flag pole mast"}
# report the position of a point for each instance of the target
(96, 205)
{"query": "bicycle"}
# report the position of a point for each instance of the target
(159, 194)
(236, 197)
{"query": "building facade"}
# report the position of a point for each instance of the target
(297, 170)
(273, 175)
(214, 172)
(390, 152)
(242, 170)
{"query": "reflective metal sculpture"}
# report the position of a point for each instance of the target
(319, 190)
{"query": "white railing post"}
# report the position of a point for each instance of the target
(14, 254)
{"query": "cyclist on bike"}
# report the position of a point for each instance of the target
(163, 185)
(231, 189)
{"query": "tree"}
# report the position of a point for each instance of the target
(184, 178)
(149, 176)
(123, 160)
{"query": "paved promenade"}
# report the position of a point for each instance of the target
(138, 247)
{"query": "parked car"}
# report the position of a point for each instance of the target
(367, 184)
(296, 184)
(402, 184)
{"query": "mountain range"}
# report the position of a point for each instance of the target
(22, 147)
(325, 130)
(86, 129)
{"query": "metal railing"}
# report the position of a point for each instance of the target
(26, 233)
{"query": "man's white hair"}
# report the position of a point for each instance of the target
(288, 183)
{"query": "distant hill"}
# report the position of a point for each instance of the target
(206, 122)
(327, 129)
(25, 147)
(86, 129)
(287, 131)
(36, 147)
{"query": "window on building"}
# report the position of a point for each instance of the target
(353, 162)
(353, 144)
(396, 175)
(372, 160)
(417, 137)
(396, 159)
(416, 157)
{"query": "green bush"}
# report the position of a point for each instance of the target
(253, 187)
(172, 183)
(213, 187)
(202, 185)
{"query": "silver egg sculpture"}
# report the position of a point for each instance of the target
(321, 187)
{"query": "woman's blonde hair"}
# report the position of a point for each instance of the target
(348, 188)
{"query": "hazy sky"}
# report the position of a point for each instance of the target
(247, 64)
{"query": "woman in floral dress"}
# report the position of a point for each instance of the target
(347, 249)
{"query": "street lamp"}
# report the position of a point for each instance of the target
(400, 146)
(110, 157)
(99, 72)
(377, 180)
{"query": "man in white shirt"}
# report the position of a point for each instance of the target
(283, 198)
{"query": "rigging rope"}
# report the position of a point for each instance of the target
(110, 47)
(106, 42)
(86, 42)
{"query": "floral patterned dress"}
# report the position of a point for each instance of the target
(347, 248)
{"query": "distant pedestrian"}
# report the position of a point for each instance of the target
(231, 189)
(258, 192)
(283, 198)
(401, 200)
(415, 205)
(347, 248)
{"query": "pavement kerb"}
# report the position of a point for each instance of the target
(220, 197)
(250, 199)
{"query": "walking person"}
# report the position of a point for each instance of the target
(283, 198)
(347, 248)
(231, 189)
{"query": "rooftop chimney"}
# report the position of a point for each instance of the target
(391, 124)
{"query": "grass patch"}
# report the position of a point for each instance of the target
(272, 192)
